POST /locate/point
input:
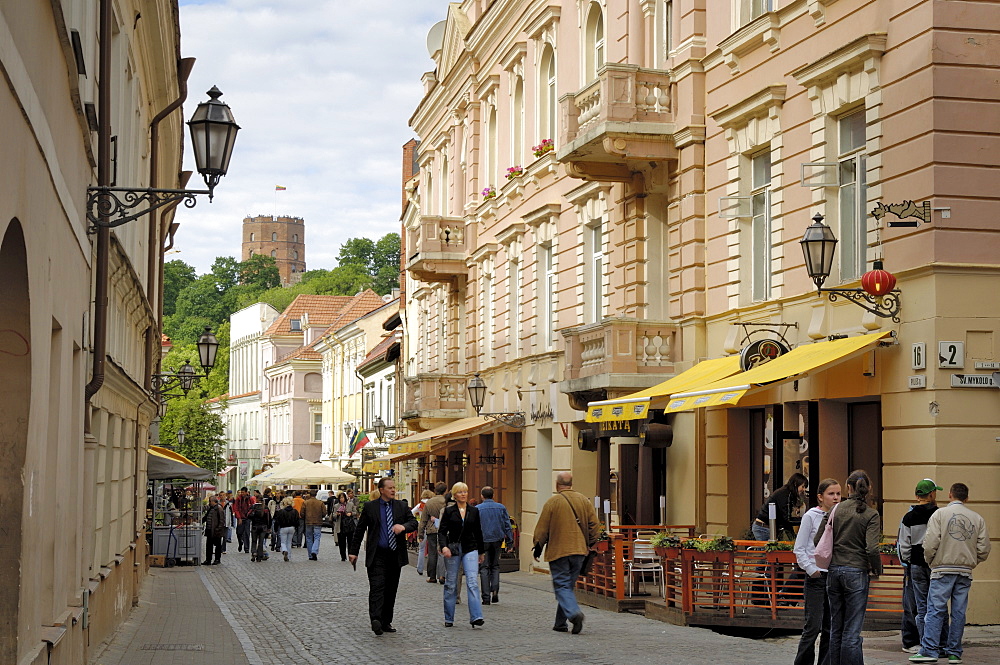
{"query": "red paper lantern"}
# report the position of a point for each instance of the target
(878, 282)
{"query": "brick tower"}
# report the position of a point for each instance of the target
(282, 237)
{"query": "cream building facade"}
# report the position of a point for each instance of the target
(76, 431)
(692, 145)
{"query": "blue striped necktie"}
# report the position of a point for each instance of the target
(388, 526)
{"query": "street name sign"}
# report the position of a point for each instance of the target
(972, 381)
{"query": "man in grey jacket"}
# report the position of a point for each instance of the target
(956, 541)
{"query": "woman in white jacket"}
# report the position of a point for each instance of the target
(817, 614)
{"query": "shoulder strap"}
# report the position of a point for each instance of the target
(577, 517)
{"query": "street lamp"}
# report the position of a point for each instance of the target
(213, 135)
(477, 394)
(379, 426)
(180, 436)
(176, 384)
(877, 295)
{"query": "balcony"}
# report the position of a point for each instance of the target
(438, 248)
(619, 355)
(624, 115)
(435, 397)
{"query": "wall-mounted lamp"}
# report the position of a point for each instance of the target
(177, 384)
(477, 394)
(490, 460)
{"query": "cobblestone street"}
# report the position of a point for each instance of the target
(316, 613)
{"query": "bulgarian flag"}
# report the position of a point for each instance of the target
(358, 440)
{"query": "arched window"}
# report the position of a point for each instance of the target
(295, 237)
(491, 147)
(274, 253)
(251, 237)
(295, 255)
(274, 236)
(517, 123)
(547, 98)
(444, 182)
(593, 51)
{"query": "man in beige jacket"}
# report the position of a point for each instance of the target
(567, 527)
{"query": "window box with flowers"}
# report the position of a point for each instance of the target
(490, 192)
(547, 145)
(514, 172)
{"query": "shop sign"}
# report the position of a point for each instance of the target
(972, 381)
(617, 428)
(760, 352)
(244, 468)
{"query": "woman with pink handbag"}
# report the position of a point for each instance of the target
(856, 533)
(817, 614)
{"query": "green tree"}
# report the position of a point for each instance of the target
(226, 271)
(379, 260)
(199, 304)
(357, 252)
(204, 432)
(343, 281)
(176, 276)
(259, 272)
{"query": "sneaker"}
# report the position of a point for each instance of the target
(477, 622)
(954, 659)
(914, 649)
(921, 658)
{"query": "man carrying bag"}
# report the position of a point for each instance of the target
(567, 527)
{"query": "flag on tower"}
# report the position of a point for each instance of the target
(280, 188)
(358, 441)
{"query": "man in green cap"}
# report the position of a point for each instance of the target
(911, 551)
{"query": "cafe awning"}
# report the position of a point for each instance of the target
(637, 405)
(382, 463)
(800, 361)
(425, 442)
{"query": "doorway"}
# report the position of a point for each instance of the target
(15, 402)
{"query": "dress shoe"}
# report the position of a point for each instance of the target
(286, 555)
(441, 580)
(432, 580)
(216, 562)
(478, 622)
(486, 601)
(561, 629)
(495, 598)
(388, 628)
(577, 621)
(206, 563)
(448, 624)
(376, 626)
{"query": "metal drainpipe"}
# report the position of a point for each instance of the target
(100, 341)
(154, 267)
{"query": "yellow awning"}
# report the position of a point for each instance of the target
(170, 454)
(423, 442)
(799, 361)
(383, 463)
(637, 405)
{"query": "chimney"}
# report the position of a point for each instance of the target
(410, 167)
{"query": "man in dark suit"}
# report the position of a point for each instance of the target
(386, 521)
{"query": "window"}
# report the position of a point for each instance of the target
(760, 225)
(595, 290)
(517, 124)
(295, 255)
(547, 99)
(852, 195)
(489, 315)
(274, 253)
(751, 9)
(251, 237)
(514, 294)
(295, 325)
(274, 236)
(664, 33)
(317, 427)
(444, 184)
(491, 148)
(546, 293)
(295, 237)
(594, 48)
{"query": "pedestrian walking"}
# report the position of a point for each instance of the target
(496, 531)
(461, 532)
(418, 512)
(857, 530)
(260, 529)
(345, 519)
(285, 522)
(226, 503)
(385, 521)
(910, 546)
(215, 529)
(272, 507)
(242, 505)
(817, 612)
(300, 526)
(567, 528)
(429, 521)
(955, 543)
(312, 516)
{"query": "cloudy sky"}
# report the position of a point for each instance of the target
(322, 90)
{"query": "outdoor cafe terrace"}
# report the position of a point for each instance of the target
(701, 582)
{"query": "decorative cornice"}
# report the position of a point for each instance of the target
(866, 47)
(514, 55)
(511, 234)
(756, 104)
(543, 19)
(484, 252)
(542, 214)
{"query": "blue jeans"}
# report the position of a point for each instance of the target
(469, 562)
(942, 589)
(760, 532)
(847, 589)
(286, 533)
(313, 534)
(421, 555)
(909, 632)
(817, 623)
(564, 572)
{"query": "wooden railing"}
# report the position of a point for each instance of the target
(732, 587)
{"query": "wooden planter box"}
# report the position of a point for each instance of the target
(890, 559)
(602, 545)
(667, 552)
(707, 557)
(780, 556)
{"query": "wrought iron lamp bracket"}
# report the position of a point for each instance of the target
(515, 419)
(886, 307)
(110, 207)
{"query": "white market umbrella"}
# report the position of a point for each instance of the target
(272, 474)
(318, 474)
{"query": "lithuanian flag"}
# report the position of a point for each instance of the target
(280, 188)
(358, 441)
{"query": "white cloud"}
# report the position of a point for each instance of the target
(322, 90)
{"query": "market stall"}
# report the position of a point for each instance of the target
(175, 506)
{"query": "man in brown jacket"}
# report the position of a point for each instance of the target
(313, 511)
(568, 527)
(429, 520)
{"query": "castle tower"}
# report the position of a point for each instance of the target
(282, 237)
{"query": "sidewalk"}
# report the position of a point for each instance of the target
(177, 622)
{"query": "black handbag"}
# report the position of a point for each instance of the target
(588, 561)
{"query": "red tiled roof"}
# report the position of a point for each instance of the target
(351, 309)
(322, 311)
(365, 302)
(380, 349)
